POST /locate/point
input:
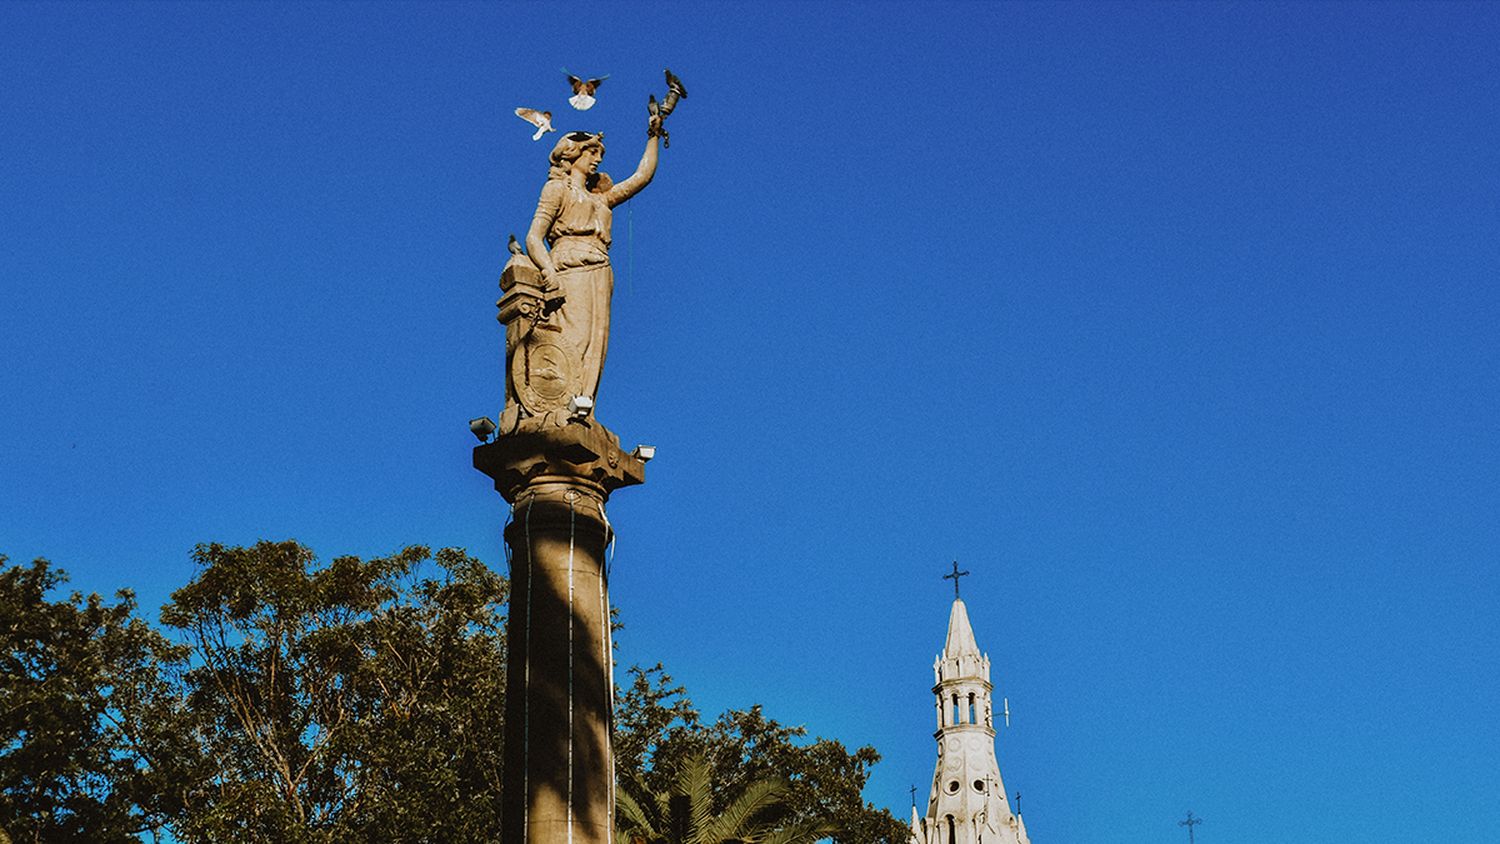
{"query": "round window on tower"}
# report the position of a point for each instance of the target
(979, 786)
(953, 787)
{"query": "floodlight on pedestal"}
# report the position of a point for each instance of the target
(482, 428)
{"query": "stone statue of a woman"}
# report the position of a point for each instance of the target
(569, 244)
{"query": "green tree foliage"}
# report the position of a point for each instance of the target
(352, 701)
(660, 735)
(692, 813)
(79, 686)
(357, 701)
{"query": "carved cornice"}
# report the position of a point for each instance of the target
(551, 449)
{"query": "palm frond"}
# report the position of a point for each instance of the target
(695, 782)
(684, 813)
(803, 833)
(738, 816)
(631, 818)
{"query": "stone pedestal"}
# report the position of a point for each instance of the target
(559, 768)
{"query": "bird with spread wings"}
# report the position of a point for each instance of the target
(542, 120)
(583, 90)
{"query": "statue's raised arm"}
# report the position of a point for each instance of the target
(644, 171)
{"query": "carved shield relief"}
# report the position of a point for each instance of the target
(545, 372)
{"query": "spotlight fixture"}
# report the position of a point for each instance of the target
(482, 427)
(644, 453)
(579, 407)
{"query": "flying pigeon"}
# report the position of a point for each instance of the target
(542, 120)
(583, 90)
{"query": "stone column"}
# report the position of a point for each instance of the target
(557, 475)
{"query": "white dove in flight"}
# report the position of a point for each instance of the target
(583, 90)
(542, 120)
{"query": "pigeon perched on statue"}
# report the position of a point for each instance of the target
(675, 91)
(658, 111)
(542, 120)
(583, 90)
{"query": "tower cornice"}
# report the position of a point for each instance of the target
(963, 730)
(963, 681)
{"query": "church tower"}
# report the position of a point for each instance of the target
(967, 803)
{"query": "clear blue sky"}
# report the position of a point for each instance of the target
(1176, 324)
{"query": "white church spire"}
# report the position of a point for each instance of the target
(967, 802)
(961, 652)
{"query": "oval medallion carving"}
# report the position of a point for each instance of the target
(545, 373)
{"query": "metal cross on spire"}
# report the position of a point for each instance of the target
(914, 797)
(1190, 823)
(954, 577)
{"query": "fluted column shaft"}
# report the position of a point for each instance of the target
(559, 773)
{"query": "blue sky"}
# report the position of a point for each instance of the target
(1176, 324)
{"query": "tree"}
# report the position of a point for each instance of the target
(357, 701)
(79, 681)
(659, 733)
(690, 814)
(352, 701)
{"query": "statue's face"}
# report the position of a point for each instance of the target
(588, 161)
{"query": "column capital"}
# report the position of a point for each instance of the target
(548, 453)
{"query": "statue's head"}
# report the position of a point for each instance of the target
(576, 149)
